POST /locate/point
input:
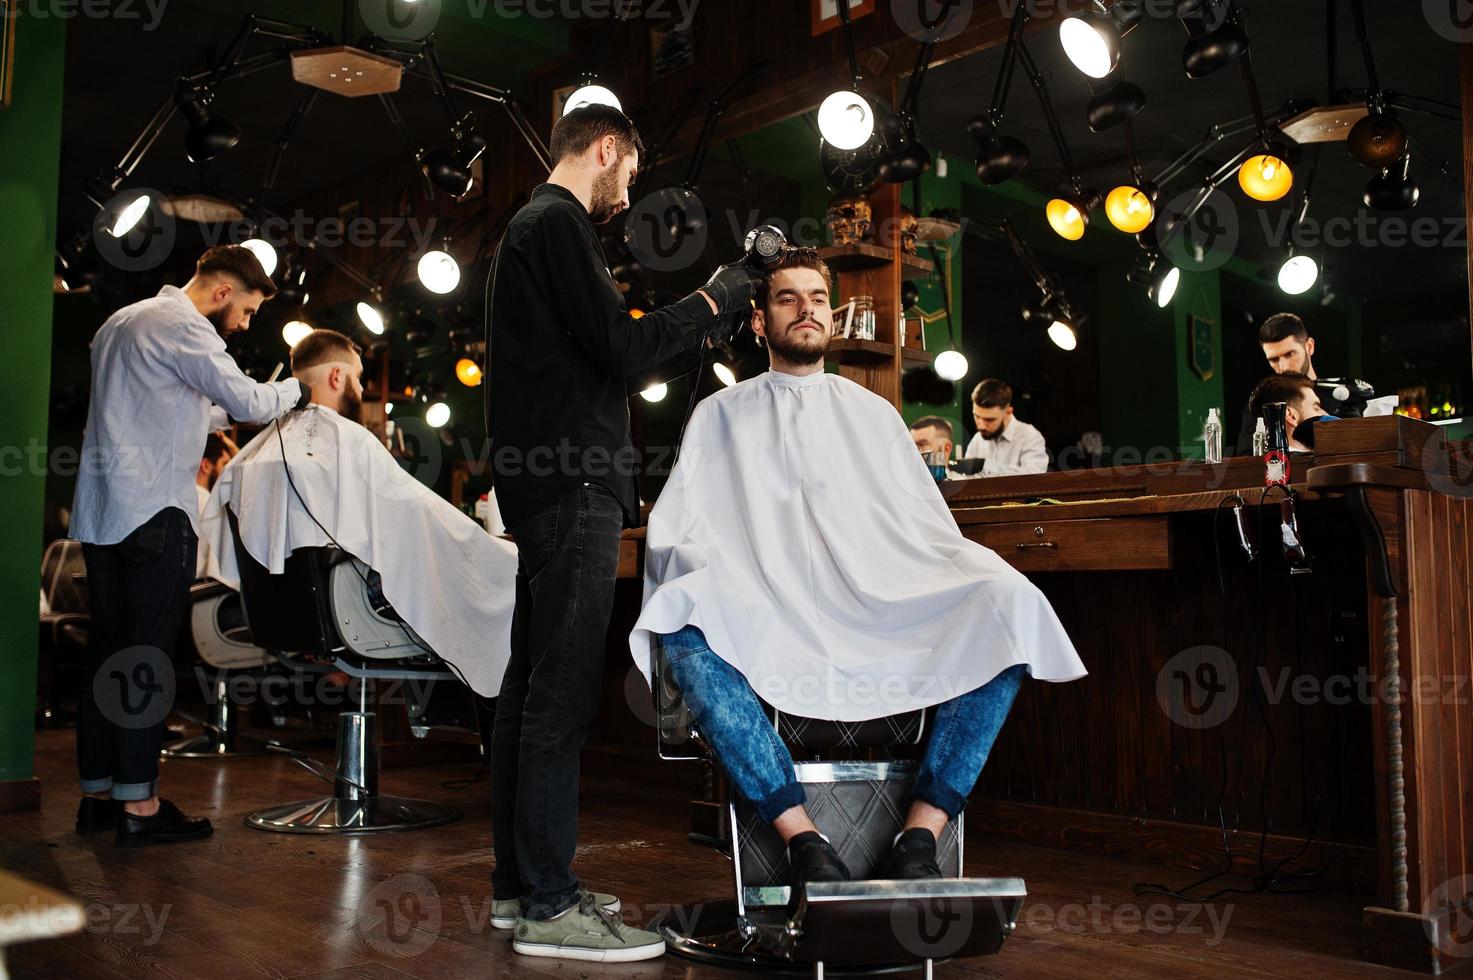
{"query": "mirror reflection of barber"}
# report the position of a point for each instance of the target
(1007, 445)
(1289, 349)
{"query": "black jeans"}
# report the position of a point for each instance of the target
(139, 587)
(569, 558)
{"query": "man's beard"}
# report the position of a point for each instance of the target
(217, 320)
(352, 408)
(796, 348)
(994, 434)
(604, 202)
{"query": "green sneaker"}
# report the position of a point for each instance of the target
(504, 913)
(585, 932)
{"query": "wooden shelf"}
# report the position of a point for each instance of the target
(860, 352)
(862, 257)
(855, 258)
(918, 263)
(914, 356)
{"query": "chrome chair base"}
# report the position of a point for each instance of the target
(211, 744)
(707, 932)
(221, 738)
(331, 815)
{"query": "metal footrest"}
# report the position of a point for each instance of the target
(852, 927)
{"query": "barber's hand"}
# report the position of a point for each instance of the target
(730, 288)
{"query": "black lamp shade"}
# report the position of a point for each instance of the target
(1377, 141)
(1394, 189)
(210, 138)
(1002, 158)
(905, 164)
(1213, 51)
(1114, 106)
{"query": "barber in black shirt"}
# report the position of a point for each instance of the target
(561, 351)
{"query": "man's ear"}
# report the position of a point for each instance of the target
(222, 292)
(759, 323)
(1309, 347)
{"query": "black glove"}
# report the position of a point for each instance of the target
(306, 398)
(730, 288)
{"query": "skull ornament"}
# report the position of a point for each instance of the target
(850, 220)
(908, 227)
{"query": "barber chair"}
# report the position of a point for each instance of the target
(326, 605)
(64, 623)
(225, 645)
(855, 927)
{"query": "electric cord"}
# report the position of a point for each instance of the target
(359, 572)
(1267, 880)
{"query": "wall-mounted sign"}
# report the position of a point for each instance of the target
(1199, 340)
(826, 13)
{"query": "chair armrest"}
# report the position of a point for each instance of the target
(206, 589)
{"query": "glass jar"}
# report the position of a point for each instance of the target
(862, 325)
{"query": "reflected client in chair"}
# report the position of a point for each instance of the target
(802, 554)
(451, 582)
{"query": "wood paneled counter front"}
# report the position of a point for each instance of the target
(1235, 700)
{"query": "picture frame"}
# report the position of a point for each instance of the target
(9, 15)
(826, 13)
(1200, 336)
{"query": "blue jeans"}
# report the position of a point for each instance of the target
(732, 721)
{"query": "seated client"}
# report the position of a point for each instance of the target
(802, 552)
(453, 583)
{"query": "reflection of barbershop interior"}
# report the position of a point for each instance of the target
(634, 488)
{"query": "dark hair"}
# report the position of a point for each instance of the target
(934, 422)
(215, 447)
(1282, 326)
(1287, 388)
(240, 264)
(319, 347)
(792, 258)
(582, 127)
(992, 393)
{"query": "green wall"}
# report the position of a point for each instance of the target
(30, 142)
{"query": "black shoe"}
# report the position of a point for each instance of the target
(812, 858)
(912, 856)
(165, 827)
(94, 815)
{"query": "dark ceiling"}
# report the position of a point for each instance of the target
(119, 70)
(1290, 58)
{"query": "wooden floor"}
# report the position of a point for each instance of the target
(249, 904)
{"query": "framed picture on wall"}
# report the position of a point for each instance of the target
(826, 13)
(9, 13)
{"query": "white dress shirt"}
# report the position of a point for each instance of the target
(1019, 450)
(161, 379)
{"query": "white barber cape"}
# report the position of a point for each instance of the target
(804, 535)
(450, 580)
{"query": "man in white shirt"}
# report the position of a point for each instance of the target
(161, 382)
(1010, 446)
(802, 553)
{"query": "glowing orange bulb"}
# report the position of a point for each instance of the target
(468, 371)
(1065, 219)
(636, 313)
(1266, 178)
(1129, 209)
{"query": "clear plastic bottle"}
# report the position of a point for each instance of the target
(1260, 438)
(1212, 437)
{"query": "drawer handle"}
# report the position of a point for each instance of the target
(1044, 544)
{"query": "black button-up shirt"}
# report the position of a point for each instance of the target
(561, 351)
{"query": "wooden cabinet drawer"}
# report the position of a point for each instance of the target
(1116, 543)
